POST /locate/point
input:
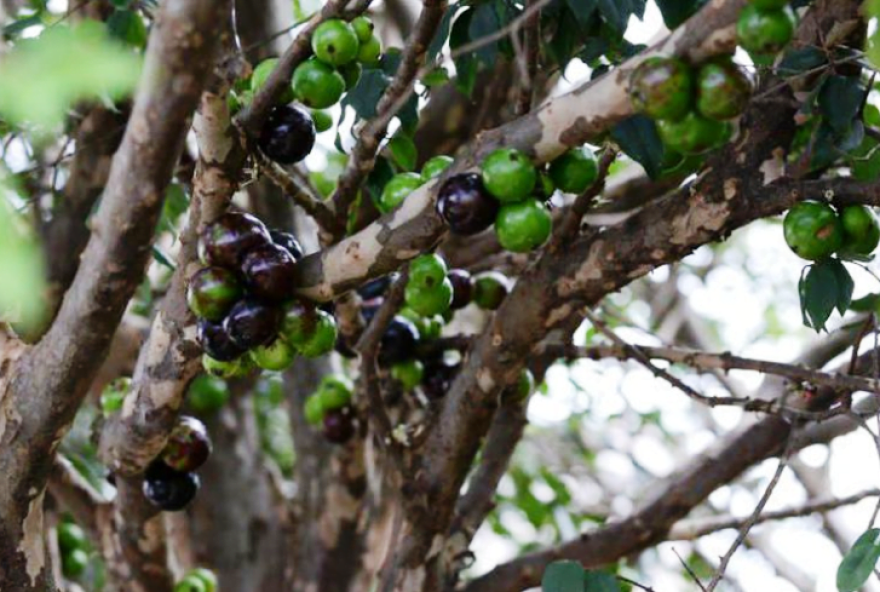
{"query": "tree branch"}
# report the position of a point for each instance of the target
(363, 156)
(50, 381)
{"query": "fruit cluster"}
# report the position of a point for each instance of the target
(341, 50)
(74, 548)
(244, 300)
(197, 580)
(815, 231)
(170, 482)
(506, 193)
(330, 407)
(691, 106)
(764, 28)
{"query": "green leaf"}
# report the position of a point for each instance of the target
(465, 65)
(638, 138)
(840, 99)
(675, 12)
(16, 27)
(161, 258)
(42, 77)
(599, 581)
(403, 152)
(617, 12)
(176, 203)
(798, 61)
(819, 294)
(442, 34)
(380, 175)
(128, 26)
(845, 285)
(364, 97)
(858, 564)
(865, 303)
(582, 10)
(563, 576)
(484, 22)
(21, 267)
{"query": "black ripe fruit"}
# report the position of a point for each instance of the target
(269, 272)
(225, 241)
(288, 242)
(167, 489)
(215, 341)
(338, 425)
(466, 205)
(398, 342)
(252, 323)
(188, 446)
(462, 288)
(288, 135)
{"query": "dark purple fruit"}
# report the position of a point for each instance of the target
(466, 205)
(167, 489)
(228, 239)
(215, 341)
(269, 272)
(338, 425)
(398, 342)
(288, 242)
(252, 323)
(370, 308)
(438, 377)
(211, 293)
(377, 287)
(343, 349)
(288, 134)
(462, 288)
(188, 446)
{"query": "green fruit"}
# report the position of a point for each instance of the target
(211, 292)
(233, 369)
(351, 73)
(323, 339)
(428, 327)
(408, 374)
(113, 395)
(317, 85)
(71, 536)
(723, 90)
(190, 584)
(490, 289)
(207, 394)
(334, 42)
(435, 167)
(769, 4)
(509, 175)
(426, 271)
(861, 232)
(111, 402)
(276, 356)
(298, 325)
(370, 52)
(545, 187)
(261, 75)
(813, 230)
(335, 393)
(429, 301)
(74, 563)
(574, 171)
(523, 227)
(208, 578)
(662, 88)
(694, 134)
(764, 32)
(323, 120)
(314, 409)
(524, 386)
(397, 189)
(363, 28)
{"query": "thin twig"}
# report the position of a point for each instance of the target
(528, 60)
(363, 155)
(584, 202)
(292, 187)
(694, 529)
(707, 362)
(368, 346)
(748, 524)
(690, 571)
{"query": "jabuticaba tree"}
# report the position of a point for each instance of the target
(289, 296)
